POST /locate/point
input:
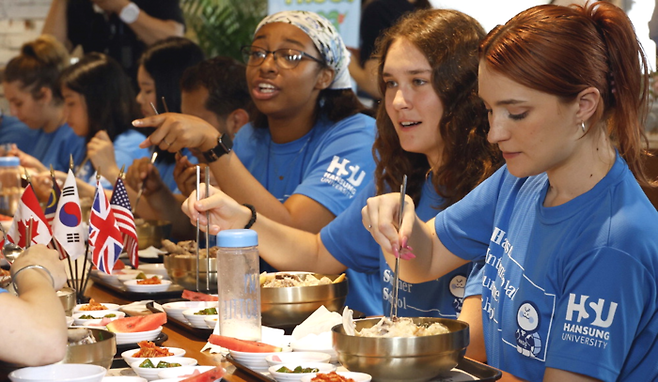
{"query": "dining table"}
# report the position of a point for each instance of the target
(177, 337)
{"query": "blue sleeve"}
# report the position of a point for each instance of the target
(342, 165)
(126, 148)
(616, 287)
(465, 228)
(474, 283)
(348, 240)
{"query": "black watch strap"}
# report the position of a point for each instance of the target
(224, 146)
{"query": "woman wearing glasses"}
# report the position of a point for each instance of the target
(307, 152)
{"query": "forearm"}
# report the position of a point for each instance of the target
(55, 23)
(36, 307)
(238, 183)
(150, 29)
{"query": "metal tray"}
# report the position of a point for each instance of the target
(481, 371)
(174, 291)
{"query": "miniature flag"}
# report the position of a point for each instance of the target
(29, 211)
(120, 204)
(51, 207)
(67, 224)
(104, 235)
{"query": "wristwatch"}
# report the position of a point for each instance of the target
(224, 146)
(129, 13)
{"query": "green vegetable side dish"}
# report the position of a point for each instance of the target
(298, 369)
(207, 312)
(90, 317)
(161, 365)
(140, 276)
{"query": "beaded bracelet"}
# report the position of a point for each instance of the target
(33, 266)
(253, 216)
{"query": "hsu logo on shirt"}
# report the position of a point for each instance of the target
(587, 321)
(335, 175)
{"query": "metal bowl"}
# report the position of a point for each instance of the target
(287, 307)
(182, 271)
(67, 297)
(150, 233)
(100, 353)
(402, 358)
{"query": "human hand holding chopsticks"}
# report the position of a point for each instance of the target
(175, 132)
(224, 212)
(380, 217)
(143, 173)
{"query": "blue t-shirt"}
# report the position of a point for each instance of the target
(570, 287)
(351, 243)
(49, 148)
(126, 150)
(330, 164)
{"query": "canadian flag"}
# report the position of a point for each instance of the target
(29, 214)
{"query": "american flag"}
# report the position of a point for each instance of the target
(120, 204)
(104, 235)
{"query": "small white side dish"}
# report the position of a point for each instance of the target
(133, 286)
(296, 377)
(127, 355)
(123, 378)
(175, 309)
(97, 317)
(135, 337)
(296, 357)
(63, 372)
(151, 373)
(158, 269)
(197, 320)
(109, 308)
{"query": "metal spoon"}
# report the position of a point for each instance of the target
(394, 304)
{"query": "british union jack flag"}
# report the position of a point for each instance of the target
(104, 236)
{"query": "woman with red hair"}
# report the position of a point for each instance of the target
(568, 237)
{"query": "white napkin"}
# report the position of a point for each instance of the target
(138, 308)
(150, 253)
(321, 321)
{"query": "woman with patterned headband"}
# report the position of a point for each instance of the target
(307, 152)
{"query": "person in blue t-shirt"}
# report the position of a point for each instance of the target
(568, 237)
(307, 152)
(34, 314)
(158, 77)
(100, 105)
(214, 90)
(431, 127)
(30, 83)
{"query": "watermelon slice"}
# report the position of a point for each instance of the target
(197, 296)
(137, 323)
(209, 376)
(236, 344)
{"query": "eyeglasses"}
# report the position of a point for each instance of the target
(289, 58)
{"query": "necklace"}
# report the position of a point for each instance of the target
(289, 164)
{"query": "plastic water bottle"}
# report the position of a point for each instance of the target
(10, 185)
(238, 284)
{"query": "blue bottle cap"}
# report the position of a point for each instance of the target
(9, 162)
(235, 238)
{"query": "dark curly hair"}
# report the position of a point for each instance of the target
(449, 40)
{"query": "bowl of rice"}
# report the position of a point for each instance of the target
(410, 349)
(288, 298)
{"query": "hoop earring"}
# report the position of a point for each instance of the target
(582, 126)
